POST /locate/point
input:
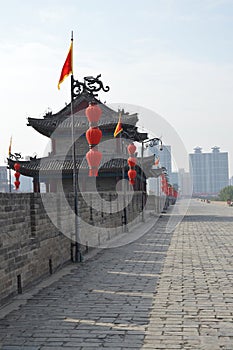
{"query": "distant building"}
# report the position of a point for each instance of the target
(231, 181)
(183, 182)
(26, 184)
(209, 171)
(165, 159)
(3, 179)
(174, 178)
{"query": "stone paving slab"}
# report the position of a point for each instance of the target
(104, 302)
(193, 306)
(163, 291)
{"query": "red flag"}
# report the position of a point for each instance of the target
(9, 150)
(157, 161)
(118, 127)
(67, 68)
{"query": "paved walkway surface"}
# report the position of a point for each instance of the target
(163, 291)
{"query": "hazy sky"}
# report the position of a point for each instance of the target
(174, 57)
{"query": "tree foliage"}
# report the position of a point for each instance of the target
(226, 193)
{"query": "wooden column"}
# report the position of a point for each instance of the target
(36, 185)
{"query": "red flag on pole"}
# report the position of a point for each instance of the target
(67, 68)
(119, 128)
(9, 150)
(157, 161)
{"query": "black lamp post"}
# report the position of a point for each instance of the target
(155, 141)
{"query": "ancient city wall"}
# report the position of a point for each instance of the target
(36, 231)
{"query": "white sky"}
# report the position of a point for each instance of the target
(174, 57)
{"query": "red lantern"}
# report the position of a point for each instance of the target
(132, 174)
(16, 166)
(132, 161)
(131, 148)
(17, 175)
(93, 136)
(93, 113)
(93, 159)
(170, 191)
(17, 183)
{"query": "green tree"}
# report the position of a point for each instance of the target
(226, 193)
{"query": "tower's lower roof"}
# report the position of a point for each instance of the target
(50, 166)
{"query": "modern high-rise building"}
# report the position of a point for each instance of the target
(183, 182)
(209, 171)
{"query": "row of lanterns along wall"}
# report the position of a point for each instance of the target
(164, 184)
(168, 189)
(94, 135)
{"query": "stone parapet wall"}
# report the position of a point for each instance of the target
(30, 245)
(37, 231)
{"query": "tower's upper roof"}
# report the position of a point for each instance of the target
(108, 120)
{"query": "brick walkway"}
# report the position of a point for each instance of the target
(114, 301)
(193, 308)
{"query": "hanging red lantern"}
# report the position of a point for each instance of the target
(132, 161)
(17, 183)
(16, 166)
(17, 175)
(131, 148)
(132, 174)
(93, 113)
(93, 136)
(93, 159)
(169, 191)
(132, 182)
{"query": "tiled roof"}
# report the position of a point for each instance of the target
(108, 119)
(52, 165)
(47, 126)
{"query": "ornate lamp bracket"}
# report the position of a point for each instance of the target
(154, 142)
(15, 156)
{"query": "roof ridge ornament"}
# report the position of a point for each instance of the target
(91, 85)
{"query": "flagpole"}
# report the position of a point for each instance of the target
(9, 179)
(9, 155)
(78, 257)
(123, 184)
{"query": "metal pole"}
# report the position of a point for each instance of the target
(10, 180)
(124, 189)
(78, 256)
(142, 202)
